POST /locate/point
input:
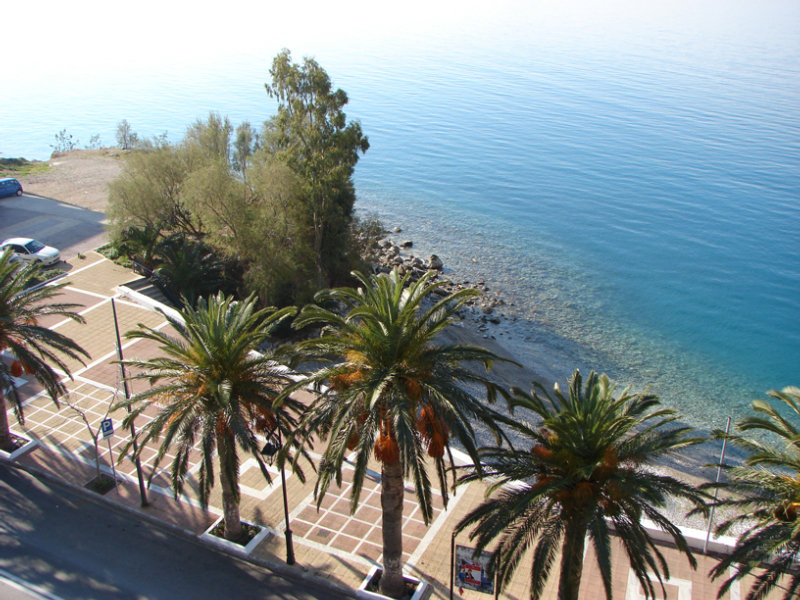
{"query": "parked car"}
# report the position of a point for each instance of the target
(10, 186)
(29, 250)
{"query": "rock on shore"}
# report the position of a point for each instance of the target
(482, 311)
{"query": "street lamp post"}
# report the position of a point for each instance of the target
(136, 461)
(270, 450)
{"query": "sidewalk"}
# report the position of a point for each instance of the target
(330, 543)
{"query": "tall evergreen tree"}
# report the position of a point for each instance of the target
(311, 134)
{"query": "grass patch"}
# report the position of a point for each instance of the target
(111, 253)
(21, 167)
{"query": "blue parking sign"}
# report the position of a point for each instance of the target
(107, 427)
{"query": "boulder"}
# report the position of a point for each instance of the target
(406, 244)
(434, 262)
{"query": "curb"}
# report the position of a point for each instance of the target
(274, 566)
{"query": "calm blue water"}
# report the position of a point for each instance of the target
(628, 176)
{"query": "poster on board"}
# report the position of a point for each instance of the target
(471, 572)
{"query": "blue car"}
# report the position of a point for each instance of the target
(10, 186)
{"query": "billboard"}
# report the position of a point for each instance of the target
(471, 572)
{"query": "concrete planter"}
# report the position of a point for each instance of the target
(364, 594)
(233, 546)
(10, 456)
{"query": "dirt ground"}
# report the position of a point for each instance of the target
(80, 177)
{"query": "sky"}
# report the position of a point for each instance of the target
(52, 36)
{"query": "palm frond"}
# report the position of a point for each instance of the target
(587, 461)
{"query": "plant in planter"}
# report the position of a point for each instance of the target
(249, 531)
(212, 390)
(395, 392)
(413, 589)
(587, 462)
(34, 348)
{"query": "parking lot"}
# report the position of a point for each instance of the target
(69, 228)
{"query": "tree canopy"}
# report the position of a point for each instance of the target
(763, 497)
(311, 135)
(396, 391)
(275, 207)
(587, 470)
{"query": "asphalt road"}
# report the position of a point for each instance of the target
(70, 546)
(69, 228)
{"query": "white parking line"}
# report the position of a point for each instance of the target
(76, 271)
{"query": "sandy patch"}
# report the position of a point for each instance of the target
(80, 177)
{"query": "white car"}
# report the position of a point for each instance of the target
(29, 250)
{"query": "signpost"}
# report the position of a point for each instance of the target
(107, 426)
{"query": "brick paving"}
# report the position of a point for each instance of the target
(331, 542)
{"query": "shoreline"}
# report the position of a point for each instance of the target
(81, 178)
(483, 321)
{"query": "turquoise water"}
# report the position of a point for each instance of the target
(628, 177)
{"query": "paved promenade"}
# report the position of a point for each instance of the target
(331, 543)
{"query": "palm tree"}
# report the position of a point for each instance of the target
(189, 268)
(586, 471)
(765, 492)
(212, 388)
(394, 394)
(34, 347)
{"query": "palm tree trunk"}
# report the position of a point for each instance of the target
(5, 431)
(392, 529)
(230, 502)
(572, 559)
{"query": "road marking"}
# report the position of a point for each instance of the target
(76, 271)
(87, 292)
(83, 312)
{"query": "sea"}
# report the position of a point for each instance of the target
(625, 174)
